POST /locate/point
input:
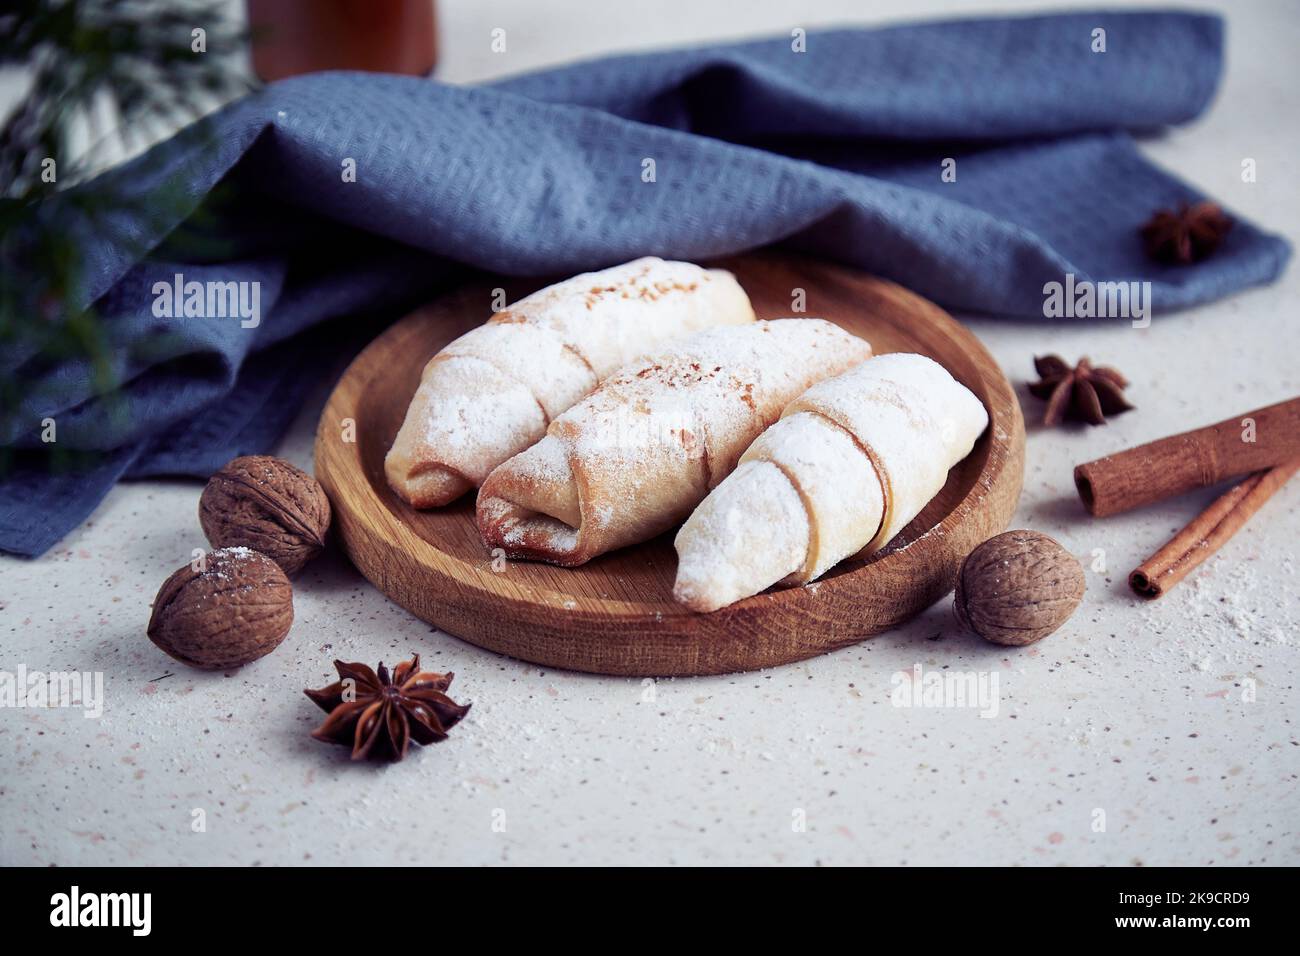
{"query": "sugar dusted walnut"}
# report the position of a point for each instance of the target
(1017, 588)
(268, 505)
(231, 608)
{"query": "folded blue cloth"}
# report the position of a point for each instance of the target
(835, 151)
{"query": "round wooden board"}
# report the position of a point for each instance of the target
(616, 615)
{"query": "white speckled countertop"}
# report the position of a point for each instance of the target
(1134, 710)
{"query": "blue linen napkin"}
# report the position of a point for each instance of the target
(835, 151)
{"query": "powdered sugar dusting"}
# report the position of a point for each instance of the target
(752, 528)
(658, 433)
(612, 316)
(914, 418)
(1215, 620)
(710, 393)
(891, 405)
(490, 394)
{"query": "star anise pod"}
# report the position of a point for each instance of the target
(377, 714)
(1188, 234)
(1085, 393)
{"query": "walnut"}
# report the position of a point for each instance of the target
(1017, 588)
(237, 607)
(268, 505)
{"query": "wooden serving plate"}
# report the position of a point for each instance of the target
(616, 615)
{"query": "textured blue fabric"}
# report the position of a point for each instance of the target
(835, 151)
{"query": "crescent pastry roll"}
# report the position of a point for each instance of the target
(492, 392)
(633, 459)
(850, 463)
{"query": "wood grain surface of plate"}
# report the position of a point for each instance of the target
(616, 615)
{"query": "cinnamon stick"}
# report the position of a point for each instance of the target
(1207, 532)
(1194, 459)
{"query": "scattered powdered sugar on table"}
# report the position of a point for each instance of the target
(1218, 617)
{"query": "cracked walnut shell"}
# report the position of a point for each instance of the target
(268, 505)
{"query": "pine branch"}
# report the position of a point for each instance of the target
(142, 63)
